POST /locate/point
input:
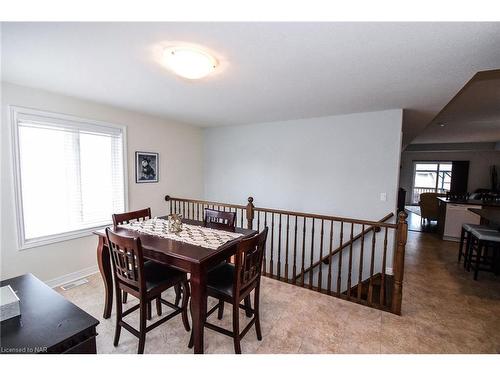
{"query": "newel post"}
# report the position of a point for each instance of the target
(399, 263)
(250, 212)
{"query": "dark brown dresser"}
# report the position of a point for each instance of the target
(48, 324)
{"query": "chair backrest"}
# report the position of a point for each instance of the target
(219, 219)
(127, 260)
(429, 207)
(126, 217)
(248, 261)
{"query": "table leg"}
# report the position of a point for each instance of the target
(198, 306)
(104, 263)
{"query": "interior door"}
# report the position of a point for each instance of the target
(459, 176)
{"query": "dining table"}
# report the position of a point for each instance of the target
(184, 256)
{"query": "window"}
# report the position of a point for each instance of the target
(70, 175)
(431, 177)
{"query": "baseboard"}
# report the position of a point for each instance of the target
(452, 239)
(58, 281)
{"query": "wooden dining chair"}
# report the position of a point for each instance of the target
(145, 281)
(125, 218)
(223, 220)
(233, 283)
(219, 219)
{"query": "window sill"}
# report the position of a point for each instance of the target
(62, 237)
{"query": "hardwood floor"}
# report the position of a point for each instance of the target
(444, 311)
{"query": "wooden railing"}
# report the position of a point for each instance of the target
(357, 260)
(419, 190)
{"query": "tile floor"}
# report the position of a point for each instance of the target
(444, 311)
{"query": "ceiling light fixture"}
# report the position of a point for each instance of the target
(441, 124)
(188, 62)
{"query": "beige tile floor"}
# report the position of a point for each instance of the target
(444, 311)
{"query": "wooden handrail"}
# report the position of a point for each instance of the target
(331, 218)
(327, 257)
(198, 201)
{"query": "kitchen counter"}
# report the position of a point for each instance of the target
(491, 215)
(472, 202)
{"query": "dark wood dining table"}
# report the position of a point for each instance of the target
(183, 256)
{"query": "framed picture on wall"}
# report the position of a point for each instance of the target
(146, 167)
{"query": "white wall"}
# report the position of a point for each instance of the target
(479, 167)
(181, 174)
(333, 165)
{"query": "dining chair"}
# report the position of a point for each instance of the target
(125, 218)
(219, 219)
(145, 281)
(223, 220)
(233, 283)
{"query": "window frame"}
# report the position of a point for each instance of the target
(437, 171)
(14, 112)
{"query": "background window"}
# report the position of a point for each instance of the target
(431, 177)
(70, 175)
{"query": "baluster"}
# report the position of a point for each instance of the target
(241, 222)
(272, 244)
(339, 276)
(279, 249)
(350, 263)
(303, 249)
(192, 211)
(372, 260)
(312, 257)
(198, 211)
(329, 283)
(320, 274)
(183, 208)
(295, 253)
(384, 263)
(258, 221)
(286, 252)
(264, 258)
(171, 206)
(361, 259)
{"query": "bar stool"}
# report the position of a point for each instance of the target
(484, 239)
(465, 238)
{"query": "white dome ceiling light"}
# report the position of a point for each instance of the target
(189, 62)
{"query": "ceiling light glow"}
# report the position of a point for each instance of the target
(189, 62)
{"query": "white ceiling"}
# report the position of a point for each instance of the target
(269, 71)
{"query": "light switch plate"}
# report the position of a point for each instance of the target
(383, 197)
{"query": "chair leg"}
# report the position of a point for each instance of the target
(124, 299)
(158, 306)
(478, 258)
(148, 310)
(236, 327)
(220, 311)
(248, 307)
(461, 246)
(177, 289)
(256, 306)
(118, 327)
(185, 298)
(142, 326)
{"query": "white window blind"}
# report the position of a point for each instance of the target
(71, 175)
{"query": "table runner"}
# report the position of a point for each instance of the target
(191, 234)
